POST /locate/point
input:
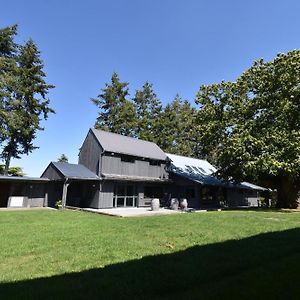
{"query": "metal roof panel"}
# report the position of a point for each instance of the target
(75, 171)
(201, 171)
(117, 143)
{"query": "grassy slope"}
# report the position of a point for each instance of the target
(218, 254)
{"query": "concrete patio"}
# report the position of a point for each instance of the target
(131, 211)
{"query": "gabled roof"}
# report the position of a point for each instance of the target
(74, 171)
(116, 143)
(201, 171)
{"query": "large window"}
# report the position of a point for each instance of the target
(153, 191)
(125, 195)
(190, 192)
(213, 196)
(207, 195)
(154, 162)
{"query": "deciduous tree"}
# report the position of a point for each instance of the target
(12, 171)
(252, 125)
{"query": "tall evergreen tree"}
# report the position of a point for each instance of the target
(185, 141)
(176, 128)
(117, 113)
(169, 126)
(8, 47)
(23, 96)
(8, 69)
(63, 159)
(148, 109)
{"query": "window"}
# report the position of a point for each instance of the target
(154, 162)
(127, 158)
(221, 195)
(153, 191)
(190, 193)
(125, 195)
(206, 195)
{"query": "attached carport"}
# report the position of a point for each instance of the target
(74, 184)
(23, 191)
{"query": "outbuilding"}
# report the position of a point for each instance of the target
(23, 191)
(74, 184)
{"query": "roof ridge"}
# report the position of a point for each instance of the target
(59, 162)
(124, 136)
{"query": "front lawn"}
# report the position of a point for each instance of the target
(48, 254)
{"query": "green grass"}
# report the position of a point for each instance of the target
(76, 255)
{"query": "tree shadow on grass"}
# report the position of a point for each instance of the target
(266, 266)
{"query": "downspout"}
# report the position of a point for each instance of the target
(100, 165)
(65, 192)
(100, 176)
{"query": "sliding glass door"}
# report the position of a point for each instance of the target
(125, 195)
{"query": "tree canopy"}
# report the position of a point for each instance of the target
(176, 132)
(117, 113)
(12, 171)
(147, 113)
(250, 128)
(23, 96)
(145, 117)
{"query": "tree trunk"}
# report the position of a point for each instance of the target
(7, 164)
(288, 193)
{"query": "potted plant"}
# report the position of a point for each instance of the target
(58, 204)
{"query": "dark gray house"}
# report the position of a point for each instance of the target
(118, 171)
(132, 171)
(113, 171)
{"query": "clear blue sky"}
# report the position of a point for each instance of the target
(176, 45)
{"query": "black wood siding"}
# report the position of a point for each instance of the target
(90, 154)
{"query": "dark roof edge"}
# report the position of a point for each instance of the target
(85, 178)
(19, 178)
(133, 178)
(136, 156)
